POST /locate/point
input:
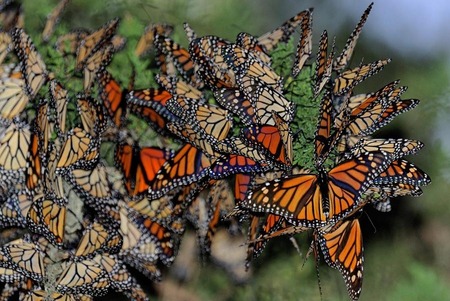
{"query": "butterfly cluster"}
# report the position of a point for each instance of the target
(82, 224)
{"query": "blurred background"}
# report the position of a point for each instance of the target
(407, 251)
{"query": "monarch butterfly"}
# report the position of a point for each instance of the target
(281, 34)
(235, 145)
(177, 88)
(402, 171)
(6, 45)
(342, 249)
(214, 120)
(96, 238)
(365, 103)
(68, 43)
(164, 238)
(212, 54)
(33, 67)
(34, 165)
(251, 43)
(159, 210)
(147, 39)
(347, 80)
(200, 213)
(10, 276)
(24, 257)
(112, 96)
(270, 224)
(324, 64)
(95, 63)
(83, 277)
(40, 136)
(92, 116)
(219, 199)
(380, 194)
(266, 100)
(324, 140)
(270, 137)
(39, 295)
(118, 276)
(190, 33)
(235, 101)
(188, 165)
(151, 105)
(13, 97)
(242, 184)
(400, 147)
(180, 57)
(140, 249)
(79, 150)
(195, 136)
(378, 116)
(59, 101)
(261, 73)
(53, 182)
(14, 209)
(53, 20)
(92, 184)
(304, 46)
(47, 216)
(230, 164)
(342, 60)
(361, 102)
(92, 43)
(140, 165)
(312, 200)
(14, 146)
(11, 16)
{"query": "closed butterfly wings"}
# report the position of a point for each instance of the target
(304, 47)
(281, 34)
(344, 57)
(33, 67)
(93, 42)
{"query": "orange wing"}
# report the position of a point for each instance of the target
(296, 198)
(323, 64)
(112, 97)
(343, 249)
(343, 59)
(272, 140)
(304, 47)
(140, 165)
(150, 104)
(348, 181)
(188, 165)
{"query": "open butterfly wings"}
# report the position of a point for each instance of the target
(313, 200)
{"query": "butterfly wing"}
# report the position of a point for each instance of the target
(343, 249)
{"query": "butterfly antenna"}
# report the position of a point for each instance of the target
(132, 76)
(310, 250)
(297, 134)
(319, 283)
(296, 246)
(371, 222)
